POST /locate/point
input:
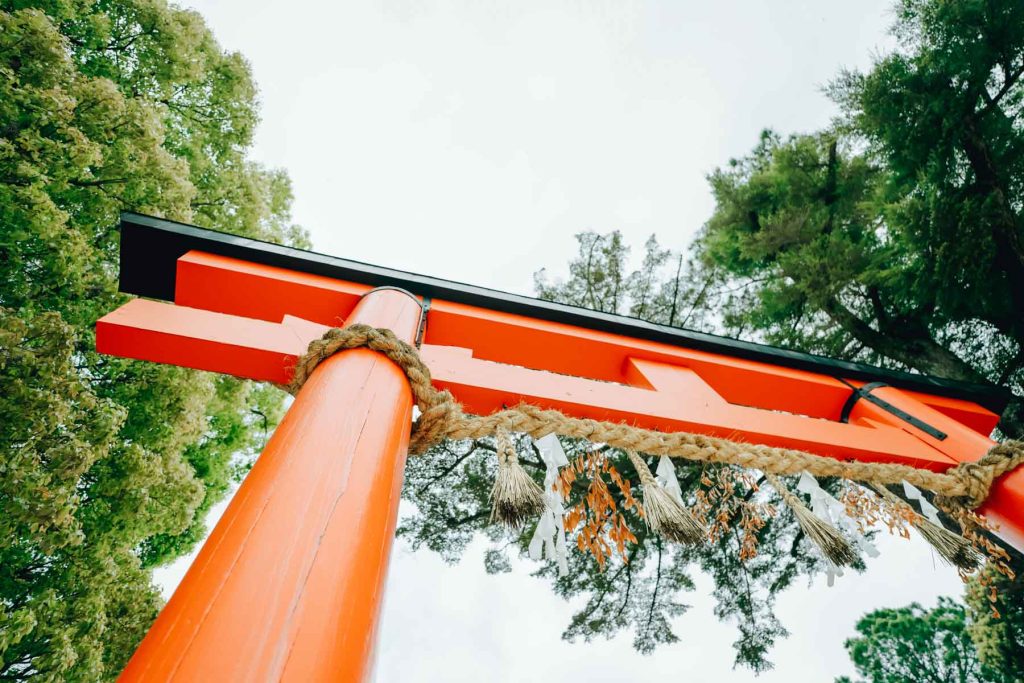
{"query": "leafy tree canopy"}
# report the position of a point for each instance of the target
(997, 626)
(895, 236)
(981, 641)
(915, 645)
(108, 465)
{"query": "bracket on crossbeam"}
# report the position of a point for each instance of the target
(864, 392)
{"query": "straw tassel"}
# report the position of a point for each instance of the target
(833, 544)
(951, 547)
(515, 496)
(664, 514)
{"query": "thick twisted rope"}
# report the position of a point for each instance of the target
(441, 417)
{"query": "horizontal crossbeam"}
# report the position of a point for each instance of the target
(151, 247)
(657, 396)
(228, 285)
(254, 321)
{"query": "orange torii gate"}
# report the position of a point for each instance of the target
(288, 586)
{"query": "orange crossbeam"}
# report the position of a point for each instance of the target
(741, 399)
(659, 396)
(227, 285)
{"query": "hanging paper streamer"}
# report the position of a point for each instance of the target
(927, 509)
(827, 507)
(549, 538)
(666, 475)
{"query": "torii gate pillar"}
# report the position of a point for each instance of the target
(289, 585)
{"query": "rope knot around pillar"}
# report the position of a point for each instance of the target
(436, 421)
(977, 477)
(438, 409)
(441, 417)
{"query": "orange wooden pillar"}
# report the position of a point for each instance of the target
(289, 584)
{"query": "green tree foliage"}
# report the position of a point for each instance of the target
(998, 633)
(982, 640)
(944, 115)
(662, 290)
(894, 237)
(915, 645)
(108, 465)
(807, 258)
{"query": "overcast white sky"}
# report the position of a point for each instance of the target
(471, 140)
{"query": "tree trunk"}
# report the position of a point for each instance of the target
(1011, 423)
(919, 352)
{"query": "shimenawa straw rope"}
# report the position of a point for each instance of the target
(441, 417)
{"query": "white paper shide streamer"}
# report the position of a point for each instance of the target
(927, 509)
(549, 538)
(666, 476)
(824, 505)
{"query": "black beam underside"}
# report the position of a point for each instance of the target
(150, 248)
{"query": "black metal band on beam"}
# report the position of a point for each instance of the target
(424, 310)
(864, 392)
